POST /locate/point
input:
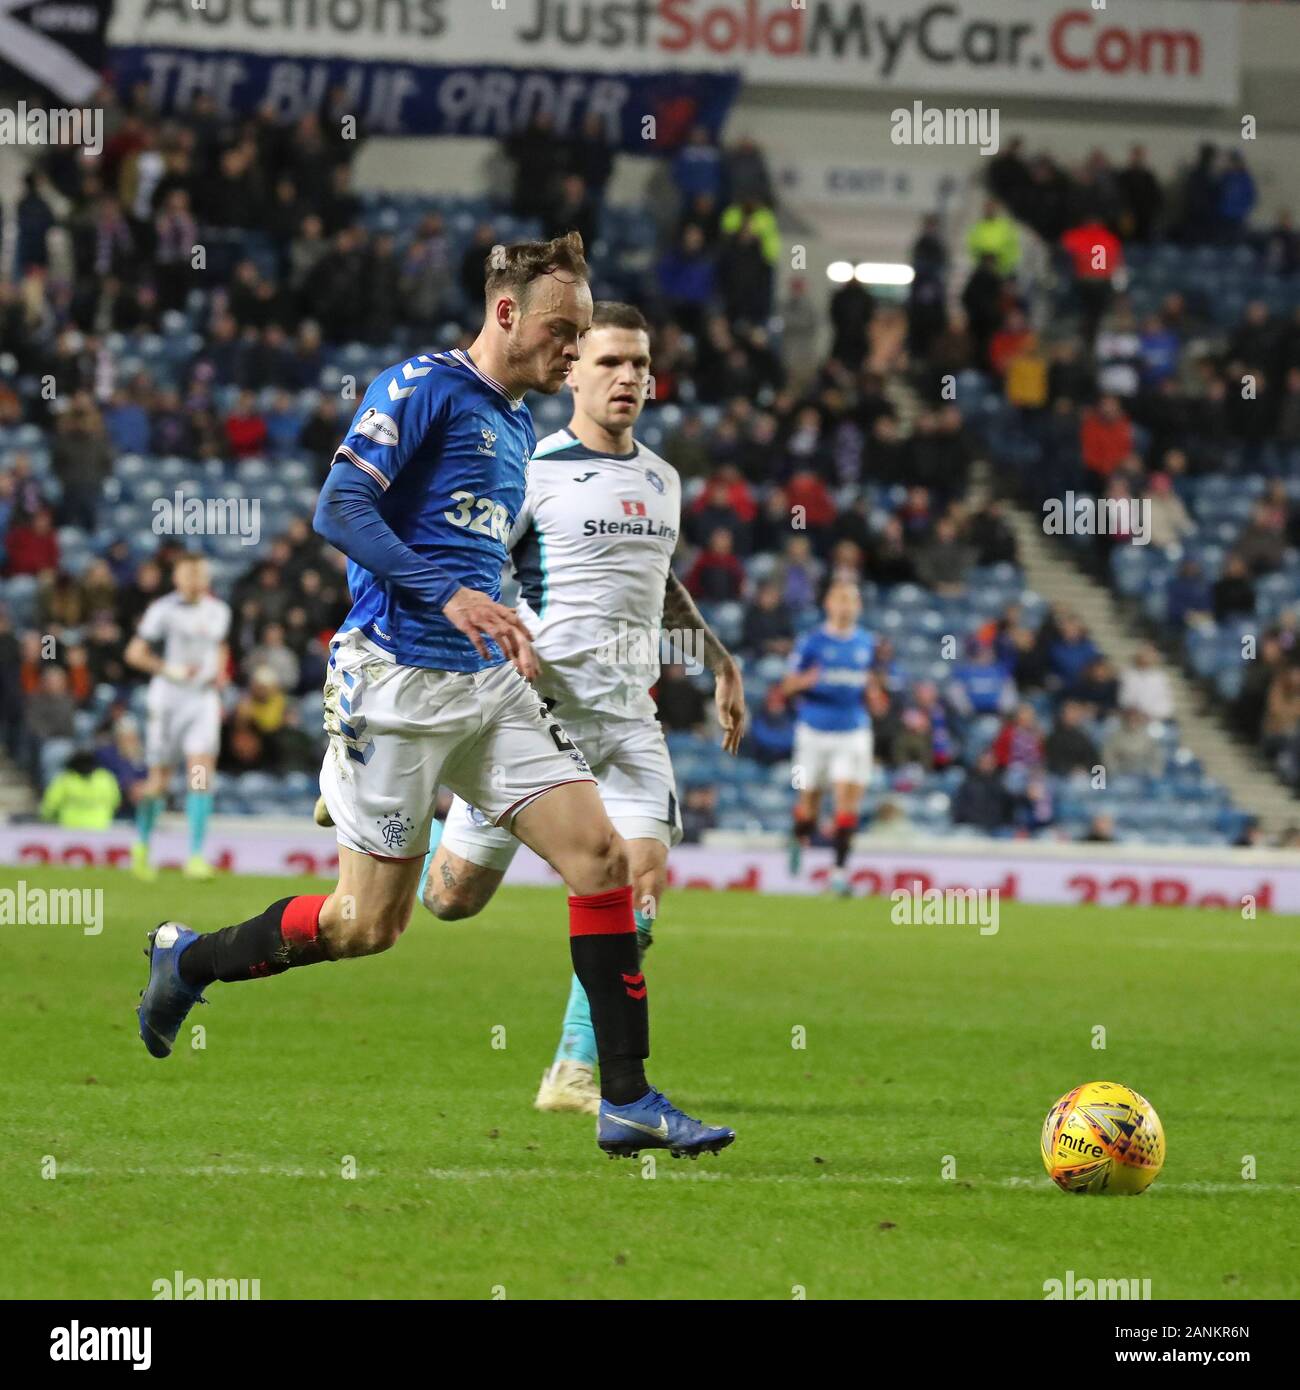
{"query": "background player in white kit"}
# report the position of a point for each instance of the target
(183, 727)
(592, 550)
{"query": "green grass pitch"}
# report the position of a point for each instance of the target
(923, 1043)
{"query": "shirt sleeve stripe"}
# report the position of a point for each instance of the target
(343, 452)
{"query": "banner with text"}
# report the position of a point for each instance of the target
(54, 46)
(1032, 874)
(1165, 51)
(389, 98)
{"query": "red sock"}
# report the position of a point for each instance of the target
(300, 923)
(602, 942)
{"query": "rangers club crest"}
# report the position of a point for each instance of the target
(394, 829)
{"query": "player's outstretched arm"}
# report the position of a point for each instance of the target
(347, 515)
(680, 612)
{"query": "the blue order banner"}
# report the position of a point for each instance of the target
(388, 97)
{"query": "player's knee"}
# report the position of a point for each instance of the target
(609, 856)
(367, 934)
(451, 904)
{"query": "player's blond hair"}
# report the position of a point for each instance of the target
(515, 268)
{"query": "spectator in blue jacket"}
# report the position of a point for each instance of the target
(1237, 197)
(981, 685)
(771, 733)
(698, 168)
(1188, 594)
(1072, 652)
(687, 280)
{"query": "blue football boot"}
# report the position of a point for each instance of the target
(166, 999)
(654, 1122)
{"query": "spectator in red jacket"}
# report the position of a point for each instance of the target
(1105, 440)
(32, 545)
(1019, 744)
(726, 503)
(1096, 254)
(717, 575)
(807, 491)
(246, 431)
(1010, 341)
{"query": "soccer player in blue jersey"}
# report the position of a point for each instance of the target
(832, 741)
(428, 684)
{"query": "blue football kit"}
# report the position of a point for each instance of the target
(424, 490)
(836, 703)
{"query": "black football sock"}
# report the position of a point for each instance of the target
(844, 828)
(602, 943)
(285, 935)
(804, 828)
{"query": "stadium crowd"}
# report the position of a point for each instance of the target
(1173, 395)
(808, 449)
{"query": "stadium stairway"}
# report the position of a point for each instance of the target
(1251, 783)
(16, 795)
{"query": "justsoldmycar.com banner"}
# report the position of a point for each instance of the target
(1168, 51)
(400, 67)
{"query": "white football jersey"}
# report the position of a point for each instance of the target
(190, 633)
(591, 550)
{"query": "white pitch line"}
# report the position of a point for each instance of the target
(231, 1170)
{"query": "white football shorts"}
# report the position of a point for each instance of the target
(826, 758)
(398, 732)
(635, 777)
(180, 723)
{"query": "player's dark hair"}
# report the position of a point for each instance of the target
(609, 313)
(516, 267)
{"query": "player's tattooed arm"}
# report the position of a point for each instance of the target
(680, 615)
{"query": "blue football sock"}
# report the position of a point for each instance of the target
(198, 807)
(578, 1040)
(146, 816)
(644, 932)
(435, 836)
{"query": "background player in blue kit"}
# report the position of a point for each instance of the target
(832, 744)
(428, 685)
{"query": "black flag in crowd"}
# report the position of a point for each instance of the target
(53, 46)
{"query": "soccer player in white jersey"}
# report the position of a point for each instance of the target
(592, 550)
(428, 685)
(183, 727)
